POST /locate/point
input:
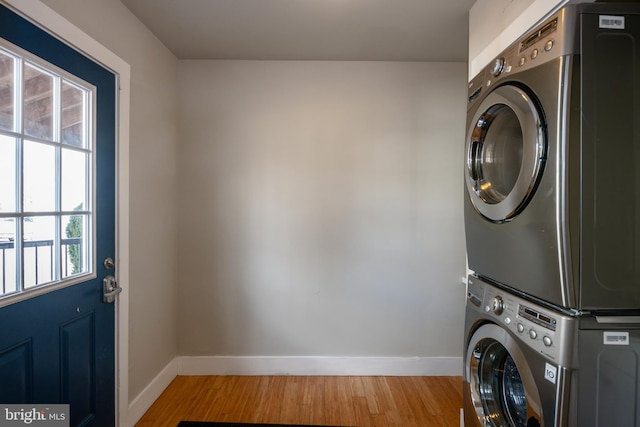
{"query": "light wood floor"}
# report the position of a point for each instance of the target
(339, 401)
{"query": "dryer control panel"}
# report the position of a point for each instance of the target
(553, 38)
(547, 331)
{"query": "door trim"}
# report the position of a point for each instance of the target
(44, 17)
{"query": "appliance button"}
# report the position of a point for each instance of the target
(547, 341)
(533, 334)
(548, 45)
(534, 53)
(522, 61)
(507, 320)
(520, 327)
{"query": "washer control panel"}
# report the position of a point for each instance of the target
(540, 328)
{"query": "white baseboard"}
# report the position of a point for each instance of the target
(151, 392)
(309, 365)
(363, 366)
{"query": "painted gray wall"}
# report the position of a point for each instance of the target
(321, 208)
(153, 179)
(488, 18)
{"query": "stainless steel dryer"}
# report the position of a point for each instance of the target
(552, 204)
(519, 361)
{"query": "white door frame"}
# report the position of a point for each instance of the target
(44, 17)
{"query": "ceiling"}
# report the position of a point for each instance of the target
(366, 30)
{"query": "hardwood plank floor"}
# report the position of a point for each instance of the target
(337, 401)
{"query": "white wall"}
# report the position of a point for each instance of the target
(321, 208)
(153, 180)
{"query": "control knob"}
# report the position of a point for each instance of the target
(497, 305)
(497, 67)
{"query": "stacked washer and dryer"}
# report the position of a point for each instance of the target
(552, 220)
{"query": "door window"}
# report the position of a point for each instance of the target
(506, 148)
(502, 392)
(496, 153)
(502, 387)
(46, 163)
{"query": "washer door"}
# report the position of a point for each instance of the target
(505, 150)
(503, 391)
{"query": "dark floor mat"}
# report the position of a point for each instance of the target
(215, 424)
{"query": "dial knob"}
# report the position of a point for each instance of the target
(497, 305)
(497, 67)
(547, 341)
(533, 334)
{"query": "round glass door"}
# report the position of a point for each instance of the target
(502, 388)
(505, 153)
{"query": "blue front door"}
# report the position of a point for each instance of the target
(57, 344)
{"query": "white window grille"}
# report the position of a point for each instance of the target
(47, 147)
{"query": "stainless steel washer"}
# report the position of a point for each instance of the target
(519, 360)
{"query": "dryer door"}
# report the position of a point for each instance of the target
(505, 152)
(502, 387)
